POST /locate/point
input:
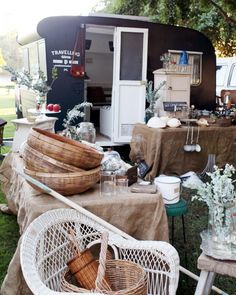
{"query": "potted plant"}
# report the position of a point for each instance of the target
(152, 96)
(37, 83)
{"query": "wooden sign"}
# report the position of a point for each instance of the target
(174, 106)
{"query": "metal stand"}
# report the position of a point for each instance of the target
(209, 166)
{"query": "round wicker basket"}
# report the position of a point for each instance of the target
(67, 183)
(36, 161)
(64, 149)
(125, 278)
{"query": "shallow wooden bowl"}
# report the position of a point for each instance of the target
(67, 183)
(64, 149)
(36, 161)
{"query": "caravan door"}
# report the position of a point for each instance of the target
(129, 77)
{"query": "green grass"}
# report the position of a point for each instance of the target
(7, 111)
(9, 235)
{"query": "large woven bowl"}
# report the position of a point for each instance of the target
(67, 183)
(36, 161)
(64, 149)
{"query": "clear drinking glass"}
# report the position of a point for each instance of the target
(107, 184)
(121, 186)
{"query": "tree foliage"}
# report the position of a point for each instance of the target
(2, 60)
(11, 50)
(215, 18)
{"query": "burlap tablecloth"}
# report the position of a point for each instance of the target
(163, 150)
(142, 216)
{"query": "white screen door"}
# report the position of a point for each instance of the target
(130, 70)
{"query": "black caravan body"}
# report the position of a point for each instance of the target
(118, 54)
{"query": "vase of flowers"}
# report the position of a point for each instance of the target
(166, 60)
(41, 103)
(70, 123)
(220, 196)
(37, 83)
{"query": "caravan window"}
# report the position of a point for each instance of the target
(220, 74)
(25, 53)
(194, 60)
(131, 57)
(34, 57)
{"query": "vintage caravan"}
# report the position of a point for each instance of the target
(118, 54)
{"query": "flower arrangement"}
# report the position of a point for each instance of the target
(220, 190)
(70, 121)
(219, 194)
(37, 83)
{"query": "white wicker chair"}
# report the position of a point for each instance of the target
(45, 249)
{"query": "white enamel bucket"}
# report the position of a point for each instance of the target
(169, 187)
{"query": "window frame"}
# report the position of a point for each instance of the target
(232, 70)
(191, 54)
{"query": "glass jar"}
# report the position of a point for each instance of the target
(87, 132)
(41, 103)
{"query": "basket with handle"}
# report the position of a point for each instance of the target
(114, 277)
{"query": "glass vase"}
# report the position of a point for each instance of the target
(150, 112)
(220, 227)
(233, 230)
(41, 104)
(87, 132)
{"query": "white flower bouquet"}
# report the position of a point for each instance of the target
(69, 123)
(220, 190)
(219, 194)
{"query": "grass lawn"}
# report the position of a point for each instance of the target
(9, 235)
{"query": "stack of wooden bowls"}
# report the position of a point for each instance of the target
(65, 165)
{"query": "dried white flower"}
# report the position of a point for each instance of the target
(72, 115)
(219, 193)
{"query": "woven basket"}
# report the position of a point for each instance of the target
(108, 277)
(64, 149)
(39, 162)
(125, 277)
(67, 183)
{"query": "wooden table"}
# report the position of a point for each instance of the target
(163, 148)
(209, 268)
(141, 215)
